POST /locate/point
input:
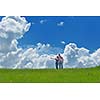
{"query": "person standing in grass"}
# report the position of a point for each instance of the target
(60, 61)
(57, 60)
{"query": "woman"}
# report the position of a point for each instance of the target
(60, 61)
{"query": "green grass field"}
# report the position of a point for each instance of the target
(76, 75)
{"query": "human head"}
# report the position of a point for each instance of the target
(57, 57)
(59, 54)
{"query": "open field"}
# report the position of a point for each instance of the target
(76, 75)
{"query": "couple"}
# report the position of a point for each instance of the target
(59, 61)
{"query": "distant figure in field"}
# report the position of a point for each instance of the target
(59, 61)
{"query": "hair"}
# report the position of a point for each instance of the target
(59, 54)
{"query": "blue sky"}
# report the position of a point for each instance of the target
(84, 31)
(43, 37)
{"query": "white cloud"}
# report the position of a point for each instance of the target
(63, 42)
(47, 49)
(96, 56)
(11, 56)
(11, 29)
(43, 21)
(34, 59)
(78, 57)
(73, 57)
(60, 23)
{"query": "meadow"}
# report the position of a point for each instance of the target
(68, 75)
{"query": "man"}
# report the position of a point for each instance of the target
(57, 60)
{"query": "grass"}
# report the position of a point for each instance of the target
(75, 75)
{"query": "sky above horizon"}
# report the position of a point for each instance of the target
(30, 42)
(60, 30)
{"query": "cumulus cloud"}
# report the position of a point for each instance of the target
(60, 23)
(12, 28)
(12, 56)
(78, 57)
(74, 57)
(47, 49)
(32, 59)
